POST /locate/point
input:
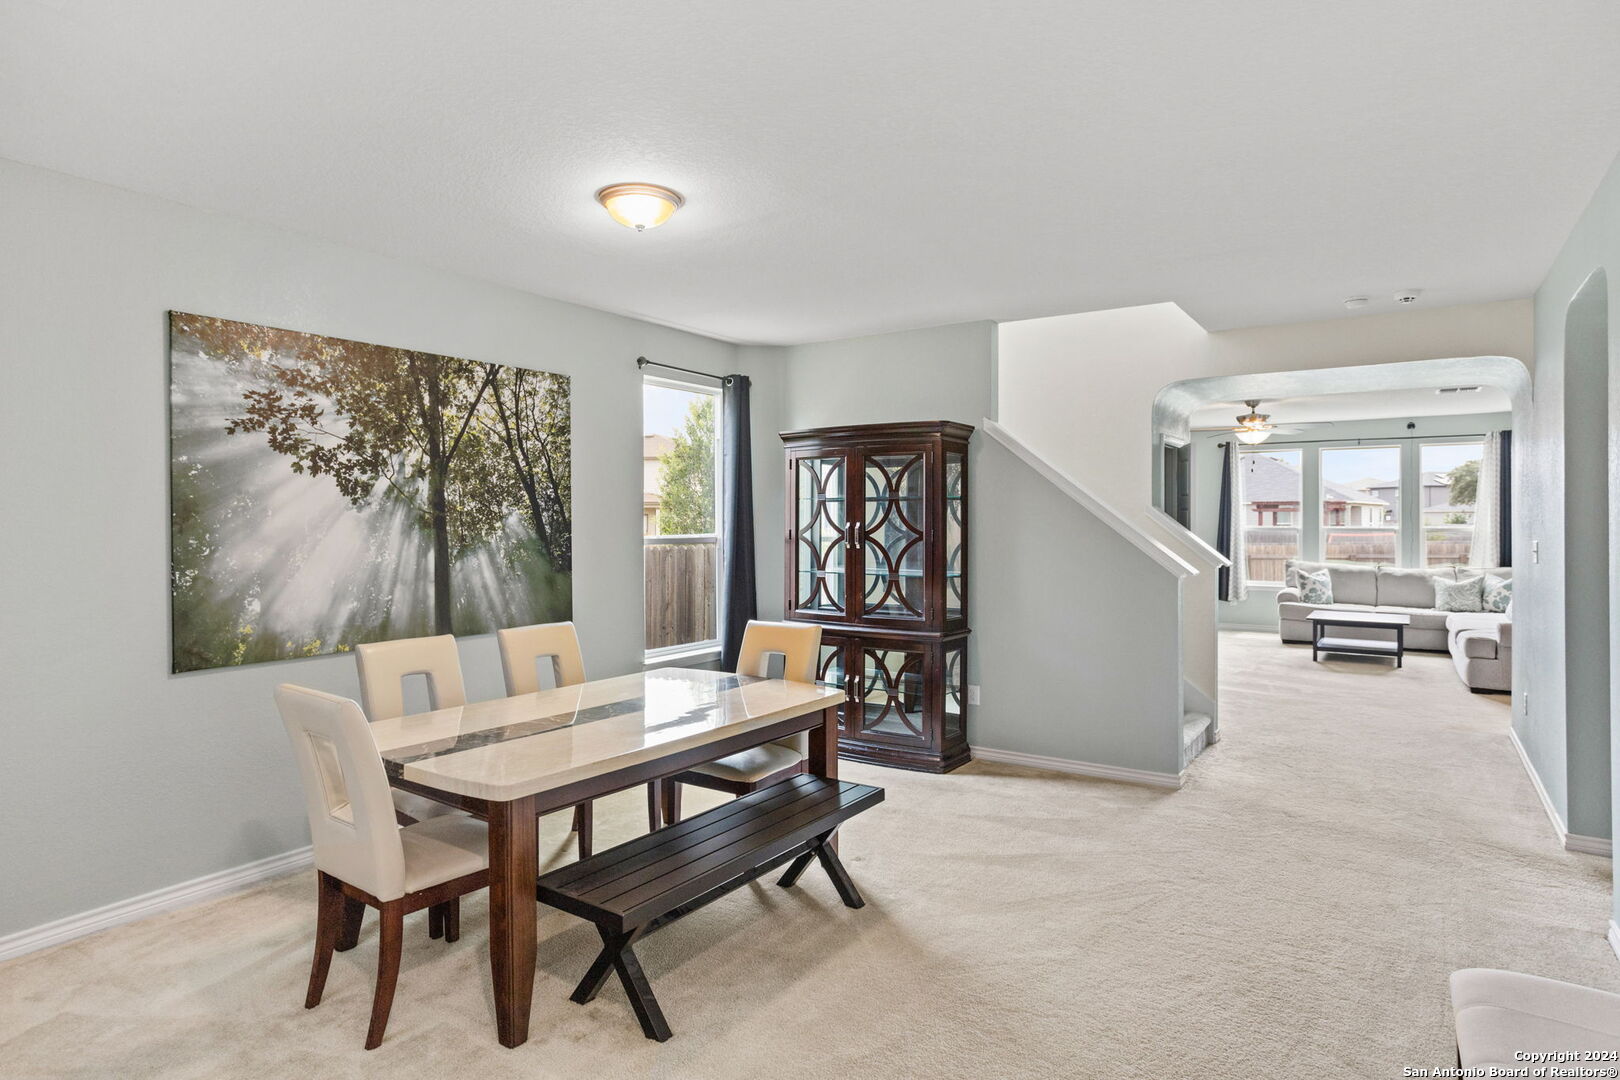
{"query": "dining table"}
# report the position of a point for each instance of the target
(509, 760)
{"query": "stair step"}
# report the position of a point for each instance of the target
(1193, 725)
(1195, 728)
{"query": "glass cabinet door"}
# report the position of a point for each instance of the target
(955, 534)
(955, 694)
(831, 672)
(821, 535)
(891, 704)
(892, 527)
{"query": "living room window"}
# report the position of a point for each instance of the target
(1450, 478)
(1361, 499)
(680, 512)
(1272, 493)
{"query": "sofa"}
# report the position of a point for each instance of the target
(1480, 643)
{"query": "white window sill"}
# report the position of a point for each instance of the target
(707, 652)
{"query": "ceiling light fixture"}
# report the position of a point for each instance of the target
(639, 206)
(1253, 427)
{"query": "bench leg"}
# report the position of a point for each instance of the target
(847, 892)
(599, 970)
(617, 955)
(795, 868)
(639, 991)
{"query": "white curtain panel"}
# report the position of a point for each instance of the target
(1487, 546)
(1238, 581)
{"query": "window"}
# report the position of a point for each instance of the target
(1272, 491)
(680, 512)
(1361, 499)
(1450, 476)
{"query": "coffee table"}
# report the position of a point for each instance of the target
(1322, 621)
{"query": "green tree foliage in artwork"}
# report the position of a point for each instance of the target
(527, 425)
(1465, 484)
(397, 424)
(688, 488)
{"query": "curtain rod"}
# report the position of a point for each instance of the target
(642, 362)
(1286, 443)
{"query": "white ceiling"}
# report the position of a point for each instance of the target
(853, 167)
(1362, 405)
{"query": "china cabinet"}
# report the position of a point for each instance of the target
(877, 554)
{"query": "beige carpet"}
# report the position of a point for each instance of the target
(1294, 910)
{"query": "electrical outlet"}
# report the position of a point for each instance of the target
(973, 694)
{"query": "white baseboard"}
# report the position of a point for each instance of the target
(182, 895)
(1247, 627)
(1589, 845)
(1614, 937)
(1541, 792)
(1077, 768)
(1586, 845)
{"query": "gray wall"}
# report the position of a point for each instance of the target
(1260, 607)
(1072, 664)
(1565, 724)
(125, 778)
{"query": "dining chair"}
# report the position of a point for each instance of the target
(799, 645)
(522, 649)
(363, 856)
(384, 667)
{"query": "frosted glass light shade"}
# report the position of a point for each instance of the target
(1252, 435)
(639, 206)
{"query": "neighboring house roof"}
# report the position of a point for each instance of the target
(1430, 479)
(1271, 480)
(655, 446)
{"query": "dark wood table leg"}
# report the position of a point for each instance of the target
(824, 752)
(824, 745)
(514, 863)
(1400, 645)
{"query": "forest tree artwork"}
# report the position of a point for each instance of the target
(327, 493)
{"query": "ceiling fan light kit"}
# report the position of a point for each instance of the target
(1253, 427)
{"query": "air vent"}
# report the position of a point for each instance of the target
(1458, 390)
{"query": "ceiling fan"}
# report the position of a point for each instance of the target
(1254, 426)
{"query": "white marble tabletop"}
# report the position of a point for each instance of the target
(511, 747)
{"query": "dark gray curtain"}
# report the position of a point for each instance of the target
(739, 600)
(1223, 527)
(1504, 500)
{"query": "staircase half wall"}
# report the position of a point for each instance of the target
(1077, 619)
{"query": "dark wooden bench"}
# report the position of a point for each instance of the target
(633, 889)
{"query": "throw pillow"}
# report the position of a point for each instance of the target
(1498, 592)
(1465, 595)
(1315, 588)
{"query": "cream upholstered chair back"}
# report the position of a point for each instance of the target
(346, 793)
(521, 646)
(384, 666)
(799, 645)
